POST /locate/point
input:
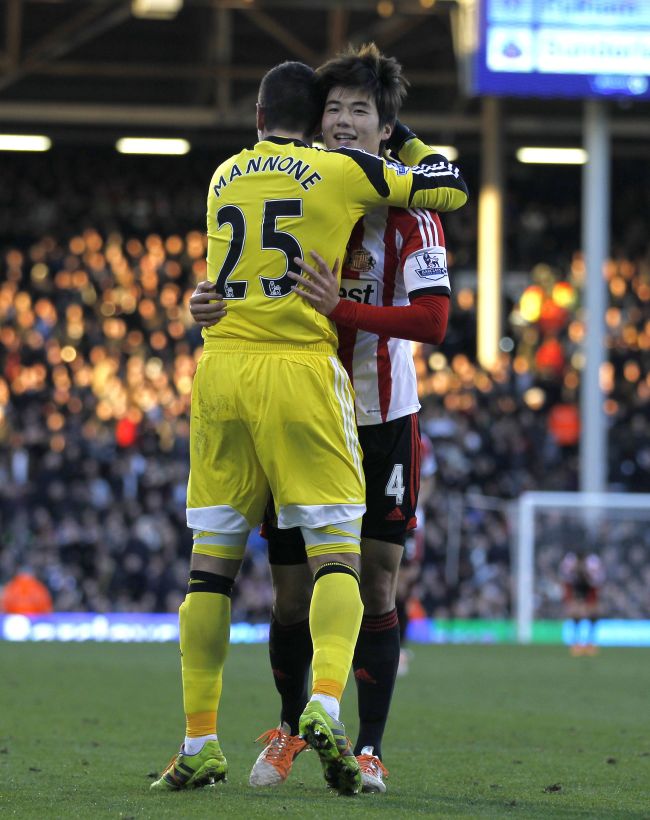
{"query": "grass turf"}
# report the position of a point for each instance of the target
(476, 731)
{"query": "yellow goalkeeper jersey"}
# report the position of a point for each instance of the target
(282, 199)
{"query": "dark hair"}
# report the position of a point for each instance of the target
(369, 69)
(291, 98)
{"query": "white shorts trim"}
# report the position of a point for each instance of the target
(221, 518)
(317, 515)
(341, 381)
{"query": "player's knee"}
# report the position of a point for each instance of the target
(223, 567)
(380, 566)
(291, 596)
(344, 559)
(292, 587)
(377, 591)
(289, 611)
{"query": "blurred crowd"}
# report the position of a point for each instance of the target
(498, 434)
(97, 353)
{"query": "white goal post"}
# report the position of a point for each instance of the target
(593, 507)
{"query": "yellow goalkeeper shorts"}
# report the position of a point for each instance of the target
(272, 418)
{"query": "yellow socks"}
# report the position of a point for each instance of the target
(334, 621)
(204, 619)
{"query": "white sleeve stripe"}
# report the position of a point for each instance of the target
(437, 170)
(425, 235)
(432, 222)
(433, 238)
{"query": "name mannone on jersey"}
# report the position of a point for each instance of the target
(393, 254)
(282, 199)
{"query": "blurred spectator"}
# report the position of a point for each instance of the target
(25, 595)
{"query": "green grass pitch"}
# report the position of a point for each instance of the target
(476, 731)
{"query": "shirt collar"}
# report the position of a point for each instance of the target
(286, 141)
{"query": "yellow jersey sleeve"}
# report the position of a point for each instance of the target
(416, 153)
(370, 182)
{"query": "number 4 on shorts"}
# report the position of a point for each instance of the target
(395, 486)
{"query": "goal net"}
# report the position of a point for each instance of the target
(615, 527)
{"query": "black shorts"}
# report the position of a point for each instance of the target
(391, 463)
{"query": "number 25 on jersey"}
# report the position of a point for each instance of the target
(272, 239)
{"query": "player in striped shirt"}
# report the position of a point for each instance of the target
(394, 287)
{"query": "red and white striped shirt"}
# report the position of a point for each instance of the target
(393, 254)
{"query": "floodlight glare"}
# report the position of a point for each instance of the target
(24, 142)
(156, 9)
(449, 151)
(553, 156)
(152, 145)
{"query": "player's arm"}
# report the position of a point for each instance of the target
(409, 150)
(370, 182)
(424, 320)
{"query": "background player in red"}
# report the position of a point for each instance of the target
(582, 576)
(394, 286)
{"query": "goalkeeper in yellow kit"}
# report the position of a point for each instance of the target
(272, 408)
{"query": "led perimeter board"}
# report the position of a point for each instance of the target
(562, 48)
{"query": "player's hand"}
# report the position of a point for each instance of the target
(206, 305)
(321, 289)
(400, 135)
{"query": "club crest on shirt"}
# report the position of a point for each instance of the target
(431, 264)
(359, 260)
(400, 169)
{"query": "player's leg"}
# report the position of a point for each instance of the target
(290, 644)
(376, 657)
(591, 614)
(317, 482)
(334, 620)
(391, 464)
(401, 601)
(574, 613)
(410, 567)
(226, 495)
(204, 620)
(204, 626)
(290, 653)
(407, 577)
(336, 609)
